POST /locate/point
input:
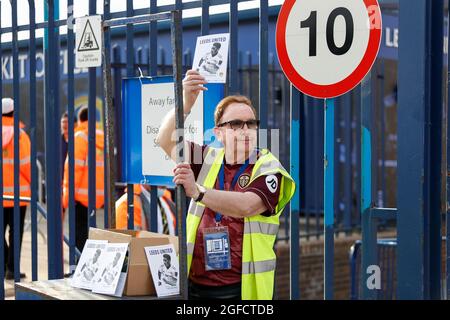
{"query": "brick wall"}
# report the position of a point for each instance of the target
(311, 269)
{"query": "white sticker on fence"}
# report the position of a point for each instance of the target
(88, 39)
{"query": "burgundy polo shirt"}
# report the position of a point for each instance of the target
(267, 192)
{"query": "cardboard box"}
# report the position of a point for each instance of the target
(139, 279)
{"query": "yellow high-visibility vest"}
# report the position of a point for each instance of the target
(258, 256)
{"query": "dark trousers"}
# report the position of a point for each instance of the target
(200, 292)
(81, 225)
(8, 220)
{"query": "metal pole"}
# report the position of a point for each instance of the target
(294, 232)
(92, 115)
(419, 149)
(33, 151)
(71, 139)
(410, 189)
(179, 119)
(110, 169)
(52, 149)
(263, 73)
(329, 199)
(369, 225)
(130, 73)
(233, 27)
(2, 212)
(447, 204)
(153, 43)
(434, 142)
(16, 90)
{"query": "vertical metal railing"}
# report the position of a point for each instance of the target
(447, 206)
(92, 115)
(2, 212)
(329, 175)
(434, 144)
(153, 72)
(205, 17)
(33, 141)
(52, 147)
(233, 59)
(263, 72)
(295, 108)
(177, 46)
(130, 73)
(71, 135)
(419, 164)
(369, 225)
(16, 90)
(109, 123)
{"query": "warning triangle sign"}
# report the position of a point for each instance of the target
(88, 41)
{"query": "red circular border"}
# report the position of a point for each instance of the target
(331, 90)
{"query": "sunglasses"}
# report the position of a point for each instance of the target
(239, 124)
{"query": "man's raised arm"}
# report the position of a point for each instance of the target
(166, 138)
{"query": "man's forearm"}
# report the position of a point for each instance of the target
(234, 204)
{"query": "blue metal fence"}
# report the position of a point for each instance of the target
(258, 77)
(386, 252)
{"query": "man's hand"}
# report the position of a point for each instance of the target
(184, 175)
(192, 85)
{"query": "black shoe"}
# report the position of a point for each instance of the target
(9, 275)
(68, 275)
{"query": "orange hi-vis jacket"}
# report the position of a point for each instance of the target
(8, 161)
(81, 168)
(140, 222)
(122, 211)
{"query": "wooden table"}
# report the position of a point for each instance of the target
(61, 290)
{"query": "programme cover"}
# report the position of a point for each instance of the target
(113, 272)
(88, 265)
(211, 57)
(163, 263)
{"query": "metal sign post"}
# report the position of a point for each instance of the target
(307, 46)
(329, 199)
(180, 196)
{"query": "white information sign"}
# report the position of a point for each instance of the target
(157, 101)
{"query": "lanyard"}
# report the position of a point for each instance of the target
(233, 182)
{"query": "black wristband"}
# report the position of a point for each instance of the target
(200, 197)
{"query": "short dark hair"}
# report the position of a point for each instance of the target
(167, 256)
(217, 45)
(83, 114)
(66, 115)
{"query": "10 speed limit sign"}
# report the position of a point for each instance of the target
(326, 47)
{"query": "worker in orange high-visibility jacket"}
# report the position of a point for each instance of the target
(166, 210)
(81, 177)
(8, 180)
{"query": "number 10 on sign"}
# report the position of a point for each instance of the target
(327, 47)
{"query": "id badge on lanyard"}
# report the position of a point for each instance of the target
(217, 248)
(217, 239)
